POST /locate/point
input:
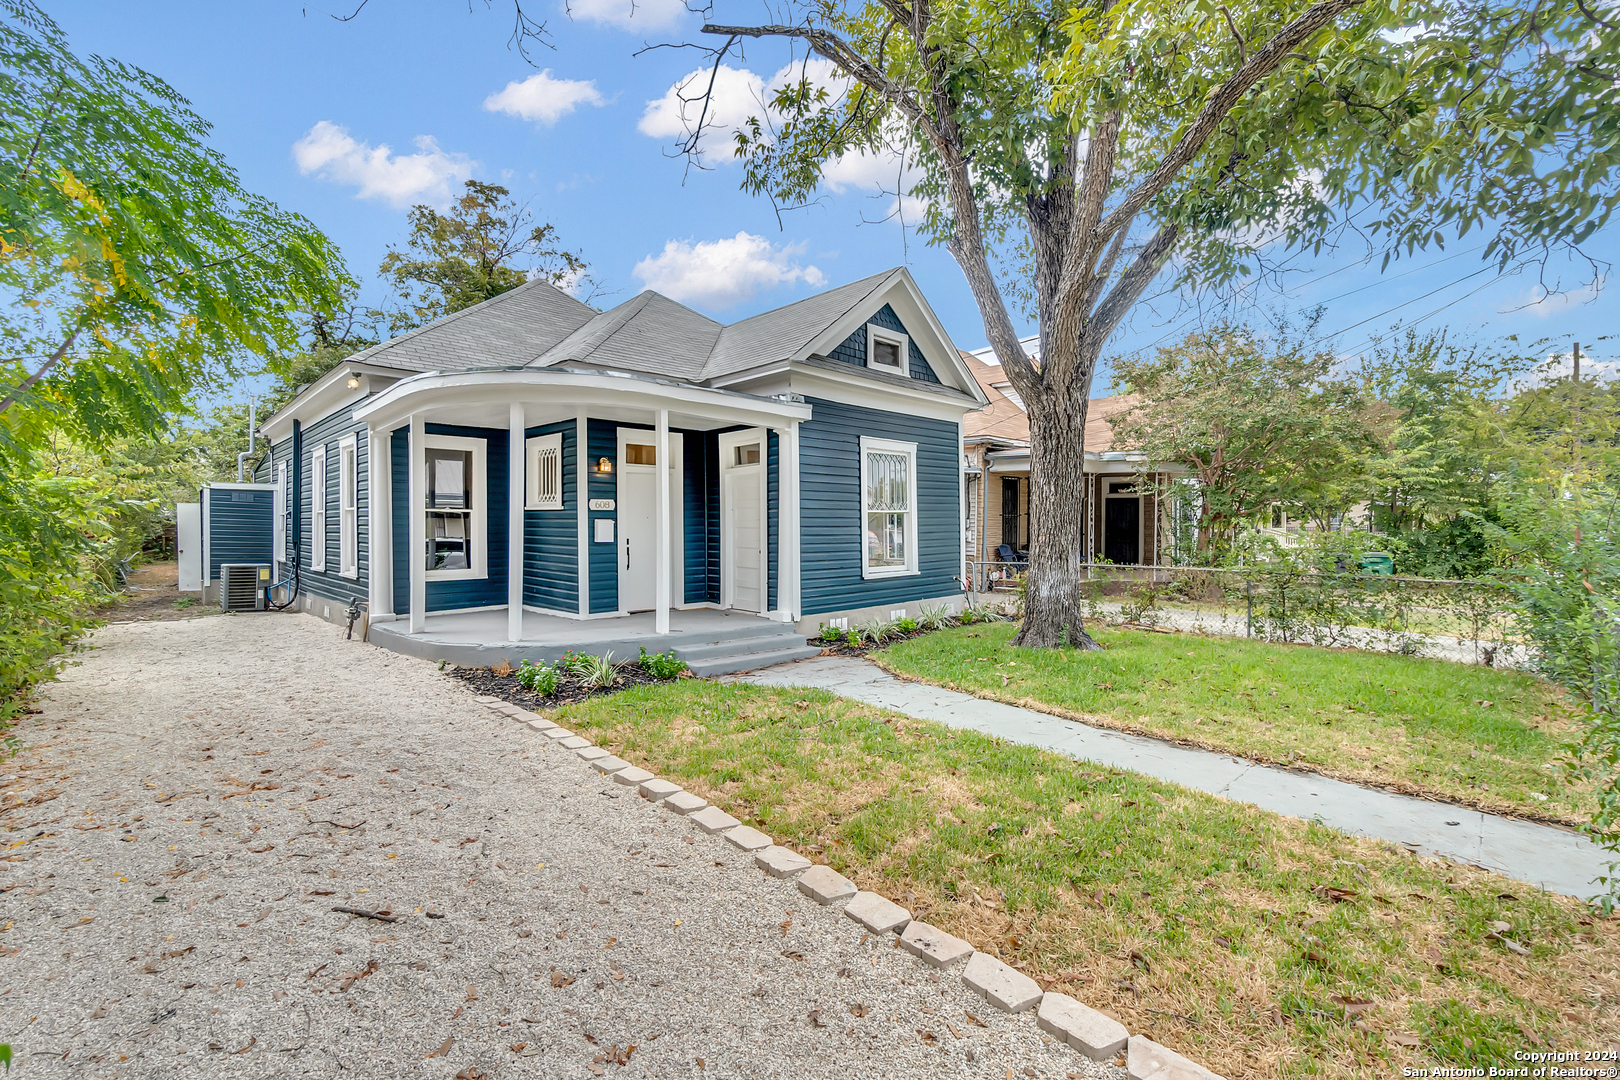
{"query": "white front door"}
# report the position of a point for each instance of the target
(637, 512)
(188, 545)
(742, 514)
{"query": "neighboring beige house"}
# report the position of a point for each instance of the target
(1125, 523)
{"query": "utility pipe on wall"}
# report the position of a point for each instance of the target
(253, 425)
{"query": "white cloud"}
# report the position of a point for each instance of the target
(721, 273)
(1559, 366)
(542, 99)
(739, 95)
(1542, 303)
(629, 14)
(331, 153)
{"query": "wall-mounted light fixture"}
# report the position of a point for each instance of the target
(354, 382)
(603, 465)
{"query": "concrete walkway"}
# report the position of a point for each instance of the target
(1556, 859)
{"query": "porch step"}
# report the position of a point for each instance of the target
(752, 661)
(710, 650)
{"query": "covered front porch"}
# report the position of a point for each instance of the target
(709, 640)
(526, 507)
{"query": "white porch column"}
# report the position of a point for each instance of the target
(379, 523)
(516, 464)
(418, 524)
(787, 547)
(582, 496)
(661, 616)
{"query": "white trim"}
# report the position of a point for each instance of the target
(582, 499)
(674, 457)
(206, 511)
(788, 565)
(380, 521)
(327, 394)
(477, 517)
(539, 452)
(858, 388)
(909, 450)
(417, 524)
(875, 334)
(317, 509)
(349, 506)
(553, 388)
(661, 575)
(728, 442)
(516, 517)
(965, 531)
(279, 514)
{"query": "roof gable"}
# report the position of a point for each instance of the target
(650, 333)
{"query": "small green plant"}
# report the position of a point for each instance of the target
(830, 632)
(597, 671)
(935, 617)
(877, 631)
(906, 625)
(662, 665)
(538, 678)
(574, 663)
(186, 602)
(975, 613)
(852, 638)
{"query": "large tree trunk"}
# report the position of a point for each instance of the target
(1054, 608)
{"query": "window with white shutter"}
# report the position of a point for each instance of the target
(545, 475)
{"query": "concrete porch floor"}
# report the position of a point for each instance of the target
(478, 638)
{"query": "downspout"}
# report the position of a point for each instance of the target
(253, 425)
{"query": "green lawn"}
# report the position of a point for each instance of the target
(1232, 934)
(1490, 739)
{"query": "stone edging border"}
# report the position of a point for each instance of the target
(1094, 1034)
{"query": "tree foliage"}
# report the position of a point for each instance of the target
(484, 245)
(1080, 148)
(1253, 422)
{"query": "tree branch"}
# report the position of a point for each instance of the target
(1265, 60)
(44, 369)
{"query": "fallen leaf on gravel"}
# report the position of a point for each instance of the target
(974, 1019)
(792, 954)
(443, 1049)
(857, 1010)
(472, 992)
(559, 980)
(316, 972)
(618, 976)
(517, 1048)
(815, 1018)
(472, 1072)
(251, 1040)
(952, 1026)
(594, 1067)
(785, 923)
(927, 1037)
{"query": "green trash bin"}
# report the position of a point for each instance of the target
(1378, 562)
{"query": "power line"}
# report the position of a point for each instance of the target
(1439, 309)
(1404, 303)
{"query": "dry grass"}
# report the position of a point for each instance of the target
(1210, 925)
(1499, 741)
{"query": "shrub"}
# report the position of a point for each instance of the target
(907, 625)
(852, 638)
(541, 678)
(662, 665)
(830, 633)
(597, 671)
(877, 631)
(935, 617)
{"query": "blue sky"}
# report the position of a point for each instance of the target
(351, 122)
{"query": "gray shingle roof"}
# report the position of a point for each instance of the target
(507, 330)
(650, 333)
(780, 333)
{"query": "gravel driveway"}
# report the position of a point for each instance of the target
(196, 797)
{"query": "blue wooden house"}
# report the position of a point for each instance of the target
(531, 475)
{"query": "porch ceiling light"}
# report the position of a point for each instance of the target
(604, 465)
(354, 382)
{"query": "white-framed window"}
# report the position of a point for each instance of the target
(887, 350)
(317, 509)
(348, 506)
(281, 502)
(543, 454)
(455, 489)
(888, 507)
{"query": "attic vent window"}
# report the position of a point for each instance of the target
(545, 472)
(886, 349)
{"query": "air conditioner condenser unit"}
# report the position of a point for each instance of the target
(242, 586)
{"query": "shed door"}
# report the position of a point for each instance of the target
(188, 545)
(742, 514)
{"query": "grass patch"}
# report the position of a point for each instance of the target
(1210, 925)
(1409, 723)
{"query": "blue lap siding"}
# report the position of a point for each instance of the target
(239, 527)
(852, 350)
(487, 591)
(602, 441)
(831, 530)
(700, 492)
(327, 432)
(551, 537)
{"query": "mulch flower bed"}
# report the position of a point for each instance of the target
(572, 690)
